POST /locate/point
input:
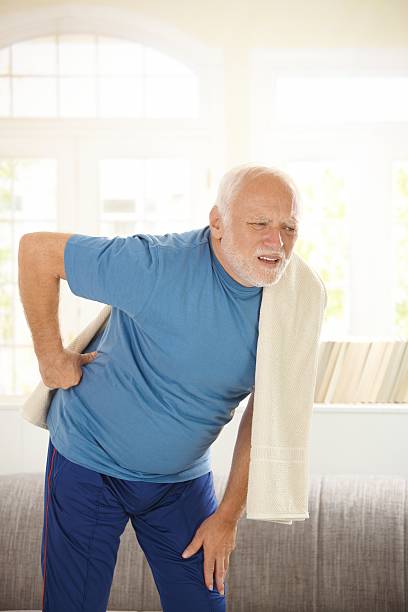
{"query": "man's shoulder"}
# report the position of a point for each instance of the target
(181, 240)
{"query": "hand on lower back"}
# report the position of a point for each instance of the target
(64, 369)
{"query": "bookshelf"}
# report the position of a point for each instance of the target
(362, 372)
(382, 408)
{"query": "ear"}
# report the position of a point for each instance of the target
(215, 222)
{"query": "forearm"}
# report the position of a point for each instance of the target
(234, 499)
(39, 293)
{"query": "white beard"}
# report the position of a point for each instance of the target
(251, 272)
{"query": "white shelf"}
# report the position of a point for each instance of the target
(369, 408)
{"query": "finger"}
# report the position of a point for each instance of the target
(219, 574)
(209, 563)
(226, 564)
(86, 357)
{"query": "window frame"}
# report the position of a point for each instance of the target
(371, 290)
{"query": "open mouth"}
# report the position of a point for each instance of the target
(272, 262)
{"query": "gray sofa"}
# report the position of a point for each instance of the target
(350, 555)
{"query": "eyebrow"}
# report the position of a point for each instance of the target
(263, 218)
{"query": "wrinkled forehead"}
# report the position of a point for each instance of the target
(267, 194)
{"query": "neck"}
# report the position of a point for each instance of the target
(215, 243)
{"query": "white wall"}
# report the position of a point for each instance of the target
(272, 23)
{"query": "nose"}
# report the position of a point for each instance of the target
(272, 239)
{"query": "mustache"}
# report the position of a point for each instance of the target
(274, 255)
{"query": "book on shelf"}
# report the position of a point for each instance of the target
(338, 365)
(327, 368)
(379, 373)
(342, 384)
(362, 370)
(385, 391)
(357, 356)
(324, 353)
(400, 391)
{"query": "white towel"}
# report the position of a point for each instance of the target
(35, 407)
(290, 320)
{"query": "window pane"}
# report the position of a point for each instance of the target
(26, 371)
(77, 97)
(121, 189)
(34, 97)
(144, 195)
(5, 97)
(168, 189)
(6, 362)
(6, 316)
(77, 54)
(117, 56)
(14, 328)
(120, 97)
(400, 232)
(36, 56)
(7, 176)
(171, 97)
(124, 79)
(6, 261)
(340, 99)
(158, 64)
(28, 189)
(5, 60)
(323, 237)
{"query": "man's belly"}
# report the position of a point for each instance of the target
(139, 431)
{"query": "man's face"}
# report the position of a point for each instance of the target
(263, 222)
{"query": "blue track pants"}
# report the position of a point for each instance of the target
(86, 512)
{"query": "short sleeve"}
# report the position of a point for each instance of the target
(120, 271)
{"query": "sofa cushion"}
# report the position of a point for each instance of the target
(352, 550)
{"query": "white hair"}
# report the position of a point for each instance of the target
(235, 179)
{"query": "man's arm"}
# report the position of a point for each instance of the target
(234, 501)
(40, 267)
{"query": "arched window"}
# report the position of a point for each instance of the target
(78, 75)
(99, 135)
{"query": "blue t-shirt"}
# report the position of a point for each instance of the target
(175, 359)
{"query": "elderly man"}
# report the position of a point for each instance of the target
(131, 423)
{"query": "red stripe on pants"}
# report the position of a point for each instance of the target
(46, 526)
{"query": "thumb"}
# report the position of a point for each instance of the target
(87, 357)
(192, 548)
